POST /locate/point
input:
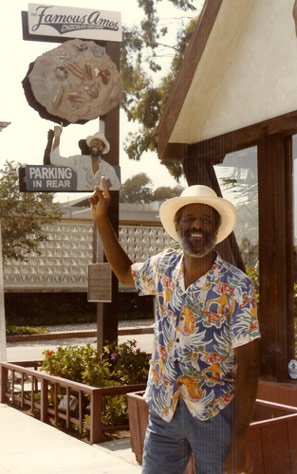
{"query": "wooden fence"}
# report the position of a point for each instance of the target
(59, 401)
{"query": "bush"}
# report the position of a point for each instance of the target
(44, 309)
(20, 330)
(117, 365)
(253, 273)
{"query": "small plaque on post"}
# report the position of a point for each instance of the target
(99, 283)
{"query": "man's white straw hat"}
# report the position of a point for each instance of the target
(199, 194)
(101, 137)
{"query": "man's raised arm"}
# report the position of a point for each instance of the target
(116, 256)
(57, 134)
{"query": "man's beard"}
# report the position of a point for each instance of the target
(95, 152)
(198, 249)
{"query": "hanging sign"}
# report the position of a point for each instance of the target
(99, 283)
(49, 178)
(52, 20)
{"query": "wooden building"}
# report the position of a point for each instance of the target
(236, 92)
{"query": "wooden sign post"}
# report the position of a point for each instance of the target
(3, 355)
(105, 29)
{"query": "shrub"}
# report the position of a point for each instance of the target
(12, 330)
(253, 273)
(116, 365)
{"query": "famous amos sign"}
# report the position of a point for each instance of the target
(51, 20)
(73, 83)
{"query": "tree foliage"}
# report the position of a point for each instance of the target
(165, 192)
(143, 97)
(23, 215)
(138, 189)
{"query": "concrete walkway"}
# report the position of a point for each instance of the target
(28, 446)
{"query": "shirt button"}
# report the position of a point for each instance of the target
(177, 339)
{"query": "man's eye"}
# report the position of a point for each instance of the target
(187, 220)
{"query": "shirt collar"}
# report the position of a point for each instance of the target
(212, 275)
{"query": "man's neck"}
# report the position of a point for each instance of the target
(195, 267)
(95, 163)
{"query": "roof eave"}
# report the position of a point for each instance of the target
(184, 79)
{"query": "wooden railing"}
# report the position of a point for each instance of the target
(59, 401)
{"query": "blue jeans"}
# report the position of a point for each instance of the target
(168, 445)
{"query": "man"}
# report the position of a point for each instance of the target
(88, 167)
(203, 377)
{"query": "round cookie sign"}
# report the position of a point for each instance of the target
(75, 82)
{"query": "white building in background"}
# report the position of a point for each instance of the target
(62, 265)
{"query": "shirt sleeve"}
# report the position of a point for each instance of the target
(110, 173)
(144, 274)
(244, 324)
(58, 160)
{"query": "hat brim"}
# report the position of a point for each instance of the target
(225, 208)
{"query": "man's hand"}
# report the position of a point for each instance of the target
(99, 201)
(50, 135)
(57, 131)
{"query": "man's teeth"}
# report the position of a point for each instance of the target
(196, 234)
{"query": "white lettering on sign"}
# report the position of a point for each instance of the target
(50, 178)
(57, 184)
(50, 173)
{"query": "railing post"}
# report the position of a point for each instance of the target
(96, 404)
(44, 400)
(3, 383)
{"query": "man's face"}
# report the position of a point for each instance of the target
(96, 147)
(197, 226)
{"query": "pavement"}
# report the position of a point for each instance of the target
(29, 446)
(24, 348)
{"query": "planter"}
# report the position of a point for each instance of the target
(284, 393)
(272, 435)
(273, 438)
(138, 418)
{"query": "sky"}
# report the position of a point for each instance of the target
(25, 138)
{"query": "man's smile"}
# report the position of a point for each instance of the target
(196, 234)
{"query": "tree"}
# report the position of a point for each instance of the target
(165, 192)
(23, 215)
(137, 189)
(143, 99)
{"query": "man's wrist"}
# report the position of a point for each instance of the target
(102, 219)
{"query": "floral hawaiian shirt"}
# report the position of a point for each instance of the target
(196, 331)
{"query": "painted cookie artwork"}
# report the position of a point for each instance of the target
(77, 81)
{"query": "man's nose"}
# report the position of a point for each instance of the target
(198, 223)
